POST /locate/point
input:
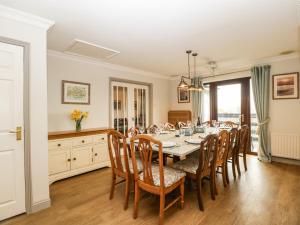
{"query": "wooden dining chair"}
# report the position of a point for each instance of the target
(180, 124)
(202, 165)
(229, 124)
(232, 148)
(156, 179)
(133, 131)
(207, 123)
(221, 161)
(242, 147)
(121, 165)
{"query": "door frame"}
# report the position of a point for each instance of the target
(27, 156)
(245, 101)
(150, 88)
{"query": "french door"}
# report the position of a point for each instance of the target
(230, 101)
(12, 178)
(129, 106)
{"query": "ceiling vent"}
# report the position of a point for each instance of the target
(83, 48)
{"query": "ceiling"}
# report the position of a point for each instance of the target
(153, 35)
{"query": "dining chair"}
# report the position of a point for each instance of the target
(221, 161)
(232, 148)
(156, 179)
(132, 132)
(202, 165)
(207, 123)
(242, 147)
(121, 165)
(229, 124)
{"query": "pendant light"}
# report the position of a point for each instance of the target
(193, 86)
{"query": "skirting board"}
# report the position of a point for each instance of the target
(285, 160)
(40, 206)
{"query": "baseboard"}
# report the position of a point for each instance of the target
(286, 161)
(40, 206)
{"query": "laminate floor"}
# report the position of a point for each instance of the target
(265, 194)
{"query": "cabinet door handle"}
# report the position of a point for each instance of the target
(82, 141)
(74, 158)
(102, 138)
(58, 145)
(96, 154)
(69, 160)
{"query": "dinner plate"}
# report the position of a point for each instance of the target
(164, 132)
(194, 141)
(168, 144)
(172, 129)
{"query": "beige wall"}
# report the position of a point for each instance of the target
(62, 67)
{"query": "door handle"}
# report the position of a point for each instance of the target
(18, 133)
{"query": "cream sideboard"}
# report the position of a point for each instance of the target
(72, 153)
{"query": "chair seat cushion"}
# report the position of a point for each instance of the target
(171, 176)
(189, 165)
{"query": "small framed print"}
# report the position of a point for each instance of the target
(183, 95)
(75, 92)
(285, 86)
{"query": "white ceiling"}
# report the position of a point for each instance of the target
(153, 35)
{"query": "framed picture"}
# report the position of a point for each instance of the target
(285, 86)
(75, 92)
(183, 95)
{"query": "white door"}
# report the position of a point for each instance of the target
(12, 178)
(129, 106)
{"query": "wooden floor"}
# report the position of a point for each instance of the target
(265, 194)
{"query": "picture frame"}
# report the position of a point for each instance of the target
(183, 95)
(75, 92)
(285, 86)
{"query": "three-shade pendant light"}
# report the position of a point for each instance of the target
(197, 84)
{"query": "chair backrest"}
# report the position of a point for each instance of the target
(117, 144)
(133, 131)
(223, 147)
(233, 142)
(243, 139)
(152, 129)
(208, 153)
(145, 152)
(168, 126)
(229, 124)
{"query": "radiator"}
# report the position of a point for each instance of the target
(285, 145)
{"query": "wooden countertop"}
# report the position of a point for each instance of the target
(74, 133)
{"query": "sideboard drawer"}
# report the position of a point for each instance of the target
(60, 144)
(82, 140)
(101, 138)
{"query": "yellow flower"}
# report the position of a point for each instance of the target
(77, 114)
(85, 114)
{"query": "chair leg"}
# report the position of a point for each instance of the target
(127, 192)
(245, 160)
(226, 169)
(113, 184)
(224, 175)
(136, 200)
(182, 194)
(161, 209)
(212, 187)
(233, 168)
(238, 165)
(199, 195)
(215, 186)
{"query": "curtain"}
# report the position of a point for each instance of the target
(260, 77)
(196, 101)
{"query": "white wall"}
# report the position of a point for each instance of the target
(13, 27)
(64, 67)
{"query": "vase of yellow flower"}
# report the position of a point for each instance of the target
(78, 116)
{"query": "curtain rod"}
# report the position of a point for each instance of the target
(223, 74)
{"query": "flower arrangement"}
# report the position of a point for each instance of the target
(77, 116)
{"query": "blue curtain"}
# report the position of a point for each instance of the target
(260, 77)
(196, 101)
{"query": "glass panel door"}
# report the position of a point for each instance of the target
(129, 106)
(229, 102)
